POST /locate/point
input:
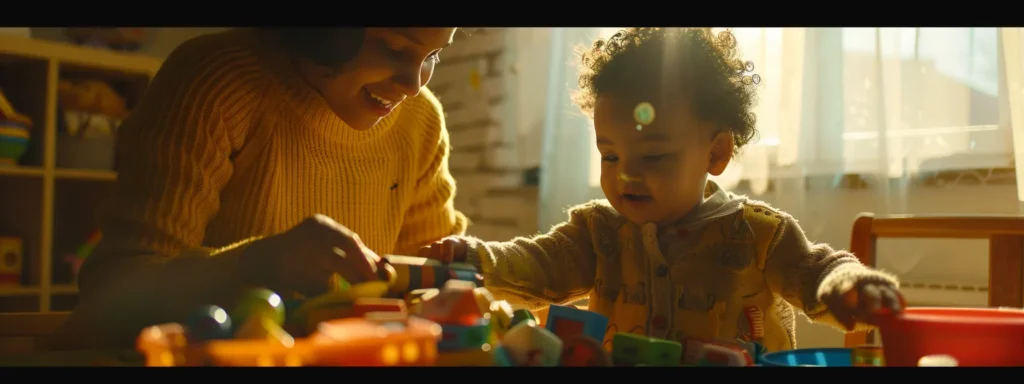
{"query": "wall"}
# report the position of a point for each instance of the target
(482, 119)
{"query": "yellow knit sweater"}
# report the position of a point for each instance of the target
(229, 144)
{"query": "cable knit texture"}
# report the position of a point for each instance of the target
(229, 144)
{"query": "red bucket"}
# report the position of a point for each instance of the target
(974, 336)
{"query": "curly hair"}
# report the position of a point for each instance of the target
(705, 69)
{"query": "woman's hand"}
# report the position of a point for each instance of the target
(304, 258)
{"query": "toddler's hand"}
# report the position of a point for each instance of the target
(863, 301)
(447, 250)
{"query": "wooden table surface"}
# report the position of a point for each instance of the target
(125, 358)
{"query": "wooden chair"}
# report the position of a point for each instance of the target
(26, 333)
(1005, 234)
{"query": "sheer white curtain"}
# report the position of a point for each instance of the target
(883, 120)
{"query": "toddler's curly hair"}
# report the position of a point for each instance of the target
(700, 65)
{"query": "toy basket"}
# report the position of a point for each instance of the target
(974, 336)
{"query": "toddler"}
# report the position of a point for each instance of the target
(668, 253)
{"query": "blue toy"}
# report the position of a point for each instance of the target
(209, 323)
(456, 337)
(568, 322)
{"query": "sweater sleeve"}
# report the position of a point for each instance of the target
(174, 154)
(804, 272)
(557, 267)
(432, 214)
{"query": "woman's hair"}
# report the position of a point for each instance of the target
(702, 67)
(329, 47)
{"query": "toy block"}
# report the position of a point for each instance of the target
(501, 318)
(716, 353)
(454, 304)
(501, 358)
(568, 322)
(629, 349)
(532, 346)
(584, 351)
(414, 299)
(484, 298)
(367, 304)
(867, 356)
(459, 336)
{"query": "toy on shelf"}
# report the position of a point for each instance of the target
(14, 133)
(11, 260)
(76, 259)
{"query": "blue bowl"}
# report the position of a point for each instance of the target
(811, 357)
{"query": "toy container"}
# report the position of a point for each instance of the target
(810, 357)
(973, 336)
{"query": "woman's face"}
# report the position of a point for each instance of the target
(392, 64)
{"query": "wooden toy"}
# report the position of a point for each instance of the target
(259, 302)
(868, 356)
(568, 322)
(584, 351)
(208, 323)
(413, 273)
(629, 349)
(716, 352)
(521, 315)
(364, 305)
(264, 328)
(379, 339)
(414, 299)
(529, 345)
(501, 318)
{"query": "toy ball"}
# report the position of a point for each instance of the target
(259, 302)
(209, 323)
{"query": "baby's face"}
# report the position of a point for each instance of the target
(658, 173)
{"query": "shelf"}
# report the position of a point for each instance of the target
(85, 174)
(45, 200)
(22, 171)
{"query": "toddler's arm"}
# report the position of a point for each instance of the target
(804, 272)
(556, 267)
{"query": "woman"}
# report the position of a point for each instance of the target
(242, 158)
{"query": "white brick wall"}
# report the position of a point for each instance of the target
(485, 164)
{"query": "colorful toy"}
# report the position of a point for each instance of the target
(11, 261)
(716, 353)
(521, 315)
(365, 305)
(413, 273)
(259, 303)
(208, 323)
(629, 349)
(414, 299)
(379, 339)
(14, 133)
(568, 322)
(868, 356)
(584, 351)
(529, 345)
(76, 259)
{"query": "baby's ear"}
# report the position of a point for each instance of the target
(721, 153)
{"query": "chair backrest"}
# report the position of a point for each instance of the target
(1005, 234)
(25, 333)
